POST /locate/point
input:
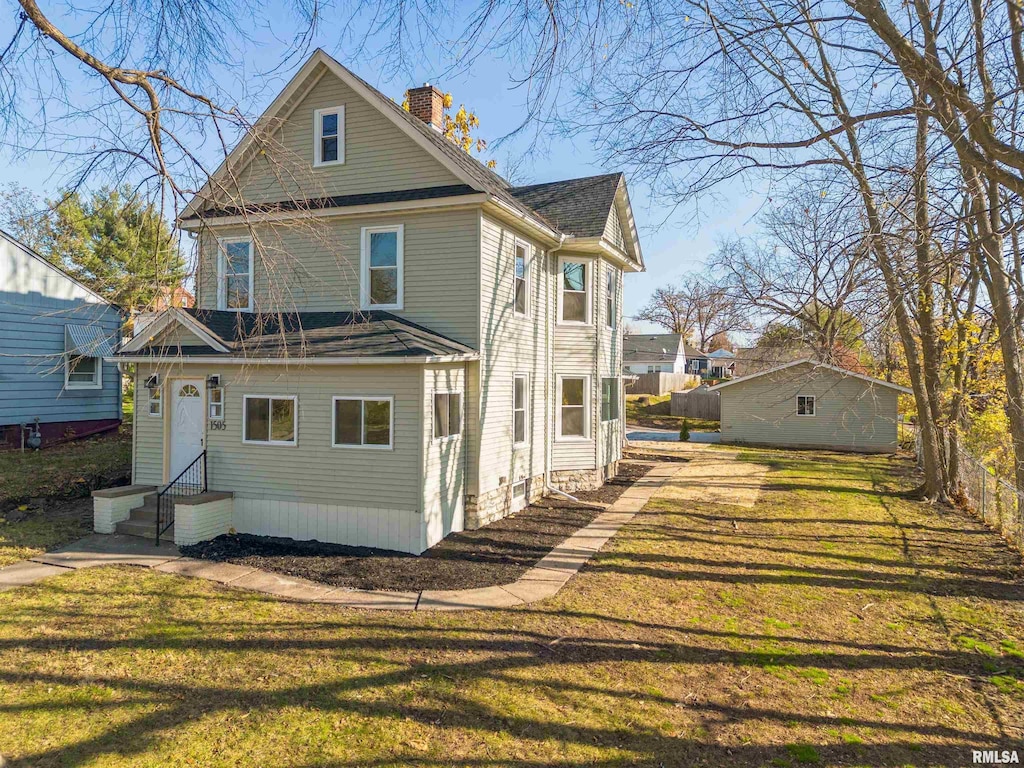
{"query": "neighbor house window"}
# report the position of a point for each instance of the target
(520, 389)
(609, 399)
(447, 414)
(329, 142)
(521, 281)
(572, 406)
(217, 404)
(155, 399)
(83, 372)
(234, 274)
(363, 422)
(609, 297)
(270, 420)
(381, 258)
(572, 297)
(805, 405)
(652, 368)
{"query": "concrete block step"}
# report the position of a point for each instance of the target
(143, 529)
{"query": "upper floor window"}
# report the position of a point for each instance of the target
(612, 284)
(381, 257)
(574, 306)
(234, 274)
(521, 281)
(329, 141)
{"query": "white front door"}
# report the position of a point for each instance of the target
(186, 423)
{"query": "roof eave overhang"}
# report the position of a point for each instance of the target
(299, 361)
(602, 247)
(508, 213)
(452, 202)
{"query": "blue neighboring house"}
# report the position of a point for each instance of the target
(54, 336)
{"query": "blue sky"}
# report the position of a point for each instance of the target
(673, 241)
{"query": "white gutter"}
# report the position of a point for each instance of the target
(225, 360)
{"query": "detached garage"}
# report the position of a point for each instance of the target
(806, 404)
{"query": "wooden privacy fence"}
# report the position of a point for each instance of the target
(697, 404)
(659, 383)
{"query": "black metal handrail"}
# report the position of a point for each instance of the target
(191, 481)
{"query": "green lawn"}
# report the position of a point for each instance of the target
(44, 494)
(834, 623)
(654, 412)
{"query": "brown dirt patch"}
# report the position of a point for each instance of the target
(497, 554)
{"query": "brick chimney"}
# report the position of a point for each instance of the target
(427, 103)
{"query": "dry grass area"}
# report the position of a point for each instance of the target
(653, 411)
(833, 623)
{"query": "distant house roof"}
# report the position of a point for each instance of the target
(652, 348)
(373, 335)
(693, 352)
(816, 366)
(719, 353)
(577, 207)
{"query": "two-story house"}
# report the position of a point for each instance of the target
(390, 342)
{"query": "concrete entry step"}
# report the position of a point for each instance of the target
(145, 529)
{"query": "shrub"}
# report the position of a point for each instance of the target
(684, 432)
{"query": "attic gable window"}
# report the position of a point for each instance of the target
(329, 136)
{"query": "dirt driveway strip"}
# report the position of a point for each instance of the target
(710, 475)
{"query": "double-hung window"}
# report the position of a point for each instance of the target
(381, 257)
(216, 404)
(574, 306)
(234, 274)
(521, 280)
(520, 395)
(447, 414)
(83, 372)
(805, 405)
(270, 419)
(155, 402)
(611, 284)
(363, 422)
(329, 138)
(609, 399)
(572, 406)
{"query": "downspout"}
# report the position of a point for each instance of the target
(549, 410)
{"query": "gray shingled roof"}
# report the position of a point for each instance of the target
(316, 334)
(651, 348)
(577, 207)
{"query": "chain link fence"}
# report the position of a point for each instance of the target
(995, 501)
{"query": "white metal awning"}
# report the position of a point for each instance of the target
(87, 341)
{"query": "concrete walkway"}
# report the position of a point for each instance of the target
(544, 580)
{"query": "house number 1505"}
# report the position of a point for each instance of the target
(218, 425)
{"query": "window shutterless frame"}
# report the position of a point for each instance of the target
(447, 415)
(96, 382)
(520, 409)
(611, 288)
(361, 399)
(521, 278)
(246, 399)
(806, 405)
(586, 268)
(156, 398)
(365, 267)
(223, 275)
(319, 136)
(585, 405)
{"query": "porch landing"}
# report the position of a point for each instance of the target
(542, 581)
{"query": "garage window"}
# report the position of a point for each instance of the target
(805, 405)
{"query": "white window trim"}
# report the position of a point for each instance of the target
(362, 423)
(318, 127)
(611, 302)
(160, 401)
(222, 277)
(585, 438)
(295, 419)
(364, 266)
(210, 404)
(68, 384)
(814, 405)
(528, 269)
(526, 410)
(462, 415)
(587, 292)
(618, 398)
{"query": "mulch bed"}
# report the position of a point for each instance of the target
(497, 554)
